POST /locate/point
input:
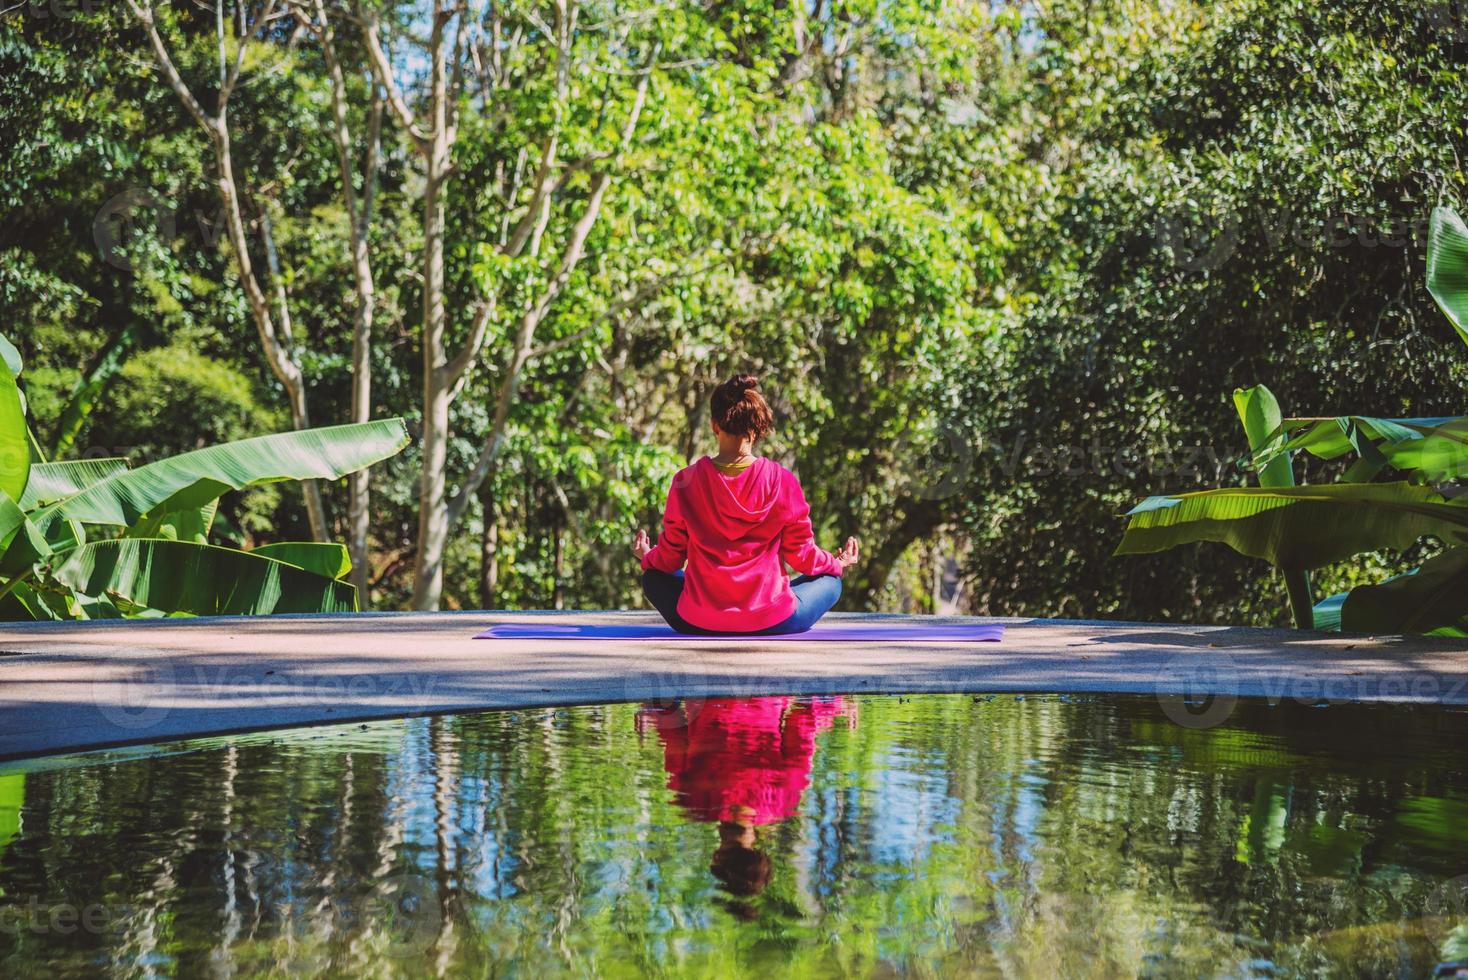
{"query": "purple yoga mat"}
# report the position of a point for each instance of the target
(853, 633)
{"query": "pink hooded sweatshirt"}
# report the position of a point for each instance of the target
(733, 532)
(727, 755)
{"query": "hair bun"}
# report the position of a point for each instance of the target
(739, 409)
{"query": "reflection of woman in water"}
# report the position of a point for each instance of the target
(743, 763)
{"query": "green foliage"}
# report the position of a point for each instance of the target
(1434, 449)
(160, 560)
(171, 399)
(138, 575)
(15, 445)
(319, 557)
(1298, 528)
(1220, 194)
(1261, 416)
(1431, 599)
(985, 258)
(1447, 267)
(1260, 413)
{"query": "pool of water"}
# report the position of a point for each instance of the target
(934, 835)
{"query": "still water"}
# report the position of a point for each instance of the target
(936, 835)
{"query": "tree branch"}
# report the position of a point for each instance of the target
(525, 227)
(383, 69)
(599, 184)
(455, 371)
(521, 352)
(233, 75)
(144, 14)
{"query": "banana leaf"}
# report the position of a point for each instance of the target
(10, 356)
(12, 518)
(193, 479)
(15, 440)
(25, 603)
(198, 579)
(1447, 267)
(1434, 447)
(1296, 527)
(178, 525)
(51, 482)
(1260, 413)
(1429, 599)
(323, 558)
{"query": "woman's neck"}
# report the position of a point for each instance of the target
(733, 452)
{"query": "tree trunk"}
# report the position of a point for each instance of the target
(489, 541)
(359, 224)
(558, 568)
(359, 483)
(920, 517)
(433, 518)
(276, 349)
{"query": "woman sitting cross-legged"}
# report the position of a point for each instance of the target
(733, 518)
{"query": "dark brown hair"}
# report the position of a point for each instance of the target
(742, 871)
(739, 408)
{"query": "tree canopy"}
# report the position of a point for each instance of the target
(998, 265)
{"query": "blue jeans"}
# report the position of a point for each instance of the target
(814, 597)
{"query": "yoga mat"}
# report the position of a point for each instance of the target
(843, 632)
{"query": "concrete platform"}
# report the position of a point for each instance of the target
(74, 686)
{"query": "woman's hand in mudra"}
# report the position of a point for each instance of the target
(641, 544)
(850, 553)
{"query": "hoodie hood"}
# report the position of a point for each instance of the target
(735, 534)
(736, 504)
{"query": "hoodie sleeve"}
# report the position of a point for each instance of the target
(797, 542)
(671, 551)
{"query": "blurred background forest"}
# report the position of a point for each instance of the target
(999, 266)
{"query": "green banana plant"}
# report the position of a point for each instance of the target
(85, 539)
(1301, 528)
(1259, 412)
(1447, 267)
(1429, 449)
(1296, 527)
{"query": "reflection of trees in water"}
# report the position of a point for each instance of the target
(1037, 836)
